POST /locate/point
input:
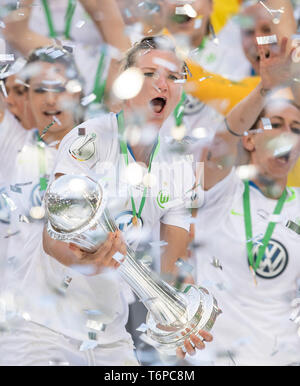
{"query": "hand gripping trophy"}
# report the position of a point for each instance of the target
(77, 212)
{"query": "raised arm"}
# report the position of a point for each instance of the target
(18, 33)
(219, 159)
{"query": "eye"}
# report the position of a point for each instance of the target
(149, 74)
(276, 125)
(173, 77)
(39, 90)
(295, 130)
(59, 89)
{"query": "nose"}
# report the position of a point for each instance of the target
(162, 83)
(50, 98)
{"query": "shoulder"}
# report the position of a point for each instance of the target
(104, 128)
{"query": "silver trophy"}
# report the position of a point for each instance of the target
(77, 212)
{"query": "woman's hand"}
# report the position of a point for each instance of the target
(104, 256)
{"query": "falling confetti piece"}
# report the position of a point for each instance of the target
(128, 84)
(263, 40)
(293, 226)
(216, 263)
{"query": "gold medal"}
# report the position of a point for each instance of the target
(135, 221)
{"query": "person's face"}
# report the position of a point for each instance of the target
(49, 98)
(183, 24)
(15, 96)
(161, 91)
(260, 23)
(276, 151)
(16, 102)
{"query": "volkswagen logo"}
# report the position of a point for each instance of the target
(274, 261)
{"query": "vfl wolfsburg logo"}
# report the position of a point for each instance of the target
(162, 198)
(274, 262)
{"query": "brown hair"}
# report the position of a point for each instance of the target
(159, 42)
(274, 101)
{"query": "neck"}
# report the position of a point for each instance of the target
(141, 152)
(274, 194)
(51, 137)
(197, 40)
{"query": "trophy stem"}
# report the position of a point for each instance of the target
(167, 306)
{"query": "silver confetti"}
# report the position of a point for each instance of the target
(216, 263)
(262, 40)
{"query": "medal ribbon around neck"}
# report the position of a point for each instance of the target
(99, 84)
(124, 151)
(42, 162)
(248, 226)
(179, 109)
(68, 18)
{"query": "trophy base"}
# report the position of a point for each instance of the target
(202, 311)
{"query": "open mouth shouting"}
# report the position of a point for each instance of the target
(51, 113)
(158, 104)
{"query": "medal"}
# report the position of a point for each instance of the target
(248, 229)
(135, 221)
(253, 274)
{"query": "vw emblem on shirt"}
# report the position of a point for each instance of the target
(124, 223)
(274, 262)
(37, 195)
(192, 105)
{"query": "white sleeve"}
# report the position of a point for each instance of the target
(85, 146)
(178, 216)
(177, 212)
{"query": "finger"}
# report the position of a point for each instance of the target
(197, 342)
(105, 247)
(283, 46)
(205, 335)
(121, 245)
(189, 348)
(77, 251)
(180, 354)
(261, 53)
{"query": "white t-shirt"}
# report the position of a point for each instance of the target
(35, 279)
(171, 172)
(254, 328)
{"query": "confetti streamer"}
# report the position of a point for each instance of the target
(293, 226)
(266, 123)
(16, 189)
(263, 40)
(7, 57)
(142, 328)
(216, 263)
(88, 99)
